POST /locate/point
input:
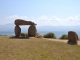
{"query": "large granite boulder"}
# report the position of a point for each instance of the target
(32, 31)
(17, 31)
(23, 22)
(72, 38)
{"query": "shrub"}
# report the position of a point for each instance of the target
(64, 36)
(3, 35)
(24, 35)
(49, 35)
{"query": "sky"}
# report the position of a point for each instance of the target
(42, 12)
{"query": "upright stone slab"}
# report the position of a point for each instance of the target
(72, 38)
(17, 31)
(32, 31)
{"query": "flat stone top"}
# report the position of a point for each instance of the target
(23, 22)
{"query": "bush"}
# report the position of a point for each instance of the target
(64, 36)
(24, 35)
(49, 35)
(3, 35)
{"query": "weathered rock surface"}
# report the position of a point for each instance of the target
(23, 22)
(17, 31)
(72, 38)
(32, 31)
(38, 36)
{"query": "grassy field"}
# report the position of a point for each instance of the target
(37, 49)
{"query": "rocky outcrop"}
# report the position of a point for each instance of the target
(17, 31)
(23, 22)
(72, 38)
(38, 36)
(32, 31)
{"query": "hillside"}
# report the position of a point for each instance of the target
(37, 49)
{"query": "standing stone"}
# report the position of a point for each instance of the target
(72, 38)
(17, 31)
(32, 31)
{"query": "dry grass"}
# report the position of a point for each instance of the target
(37, 49)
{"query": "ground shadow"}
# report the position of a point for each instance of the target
(14, 37)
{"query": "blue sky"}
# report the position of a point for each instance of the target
(42, 12)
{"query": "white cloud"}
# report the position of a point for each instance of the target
(52, 21)
(55, 21)
(32, 18)
(54, 18)
(43, 18)
(16, 17)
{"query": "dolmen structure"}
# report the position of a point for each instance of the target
(31, 30)
(72, 38)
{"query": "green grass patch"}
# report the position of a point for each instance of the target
(37, 49)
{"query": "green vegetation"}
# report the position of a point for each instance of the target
(64, 36)
(49, 35)
(24, 35)
(37, 49)
(3, 35)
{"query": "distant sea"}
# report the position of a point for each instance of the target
(57, 33)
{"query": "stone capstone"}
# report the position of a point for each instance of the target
(23, 22)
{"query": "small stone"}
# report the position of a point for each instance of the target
(38, 36)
